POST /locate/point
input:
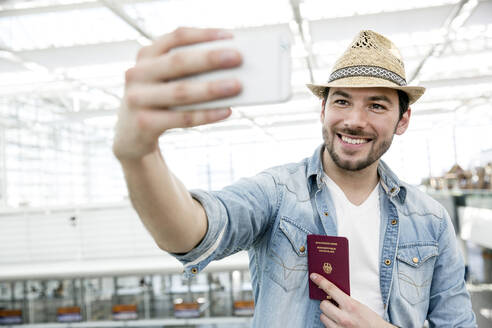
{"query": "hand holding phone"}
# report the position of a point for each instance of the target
(153, 85)
(172, 73)
(264, 74)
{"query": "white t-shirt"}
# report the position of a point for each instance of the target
(360, 224)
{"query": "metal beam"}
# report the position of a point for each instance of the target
(61, 8)
(307, 43)
(438, 48)
(458, 81)
(120, 12)
(14, 57)
(48, 9)
(388, 23)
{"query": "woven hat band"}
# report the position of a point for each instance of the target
(365, 70)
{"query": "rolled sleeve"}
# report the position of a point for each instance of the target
(238, 216)
(197, 259)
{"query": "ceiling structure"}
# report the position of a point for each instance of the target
(72, 54)
(62, 64)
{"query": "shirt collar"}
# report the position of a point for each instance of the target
(315, 168)
(389, 181)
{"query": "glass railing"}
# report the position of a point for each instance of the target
(208, 295)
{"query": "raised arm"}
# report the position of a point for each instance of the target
(175, 220)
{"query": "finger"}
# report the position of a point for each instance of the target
(179, 93)
(329, 288)
(158, 121)
(331, 311)
(182, 63)
(180, 37)
(328, 322)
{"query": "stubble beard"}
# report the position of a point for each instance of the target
(373, 156)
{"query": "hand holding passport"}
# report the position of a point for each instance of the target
(328, 256)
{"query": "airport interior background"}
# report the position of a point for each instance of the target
(73, 252)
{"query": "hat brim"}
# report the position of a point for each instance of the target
(413, 92)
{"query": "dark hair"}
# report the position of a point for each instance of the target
(403, 100)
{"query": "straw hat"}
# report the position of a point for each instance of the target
(371, 61)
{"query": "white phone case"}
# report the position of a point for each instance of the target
(265, 73)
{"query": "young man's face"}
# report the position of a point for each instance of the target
(359, 124)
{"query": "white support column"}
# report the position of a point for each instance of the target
(3, 168)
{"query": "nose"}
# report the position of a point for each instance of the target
(356, 118)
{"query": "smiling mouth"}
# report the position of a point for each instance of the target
(353, 140)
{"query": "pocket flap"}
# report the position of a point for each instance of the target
(296, 235)
(416, 255)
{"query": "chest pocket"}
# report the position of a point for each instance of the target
(287, 256)
(415, 270)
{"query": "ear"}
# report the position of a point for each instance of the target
(402, 125)
(322, 117)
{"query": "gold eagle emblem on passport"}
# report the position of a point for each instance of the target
(327, 268)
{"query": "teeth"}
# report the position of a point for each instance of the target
(354, 141)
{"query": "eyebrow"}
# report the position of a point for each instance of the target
(380, 98)
(341, 93)
(372, 98)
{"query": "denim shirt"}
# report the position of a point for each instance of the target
(421, 269)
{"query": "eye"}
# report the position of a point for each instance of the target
(377, 107)
(341, 102)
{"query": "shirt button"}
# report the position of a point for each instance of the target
(194, 270)
(302, 249)
(325, 213)
(387, 262)
(415, 260)
(393, 190)
(393, 222)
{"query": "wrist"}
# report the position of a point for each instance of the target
(138, 161)
(383, 324)
(132, 152)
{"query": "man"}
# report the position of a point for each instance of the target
(404, 262)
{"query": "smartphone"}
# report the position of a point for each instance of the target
(265, 72)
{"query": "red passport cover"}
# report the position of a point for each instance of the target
(329, 257)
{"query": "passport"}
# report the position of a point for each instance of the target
(329, 257)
